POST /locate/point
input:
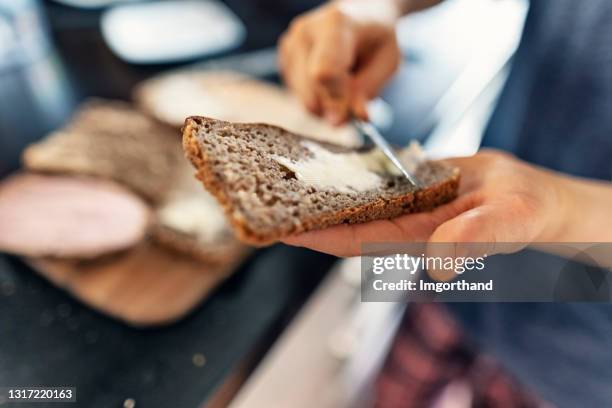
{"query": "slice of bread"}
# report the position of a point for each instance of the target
(191, 221)
(250, 169)
(112, 140)
(234, 97)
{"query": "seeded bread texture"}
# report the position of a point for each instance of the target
(265, 201)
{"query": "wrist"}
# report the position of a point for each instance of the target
(563, 209)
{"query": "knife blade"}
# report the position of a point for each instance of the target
(371, 132)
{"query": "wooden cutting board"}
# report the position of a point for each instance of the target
(148, 285)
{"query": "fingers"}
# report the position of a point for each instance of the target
(374, 71)
(485, 158)
(482, 231)
(473, 172)
(339, 241)
(293, 59)
(316, 56)
(346, 240)
(334, 64)
(342, 90)
(359, 104)
(490, 224)
(329, 68)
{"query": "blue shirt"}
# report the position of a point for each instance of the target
(556, 111)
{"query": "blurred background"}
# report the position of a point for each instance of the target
(283, 321)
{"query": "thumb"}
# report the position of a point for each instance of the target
(329, 65)
(482, 231)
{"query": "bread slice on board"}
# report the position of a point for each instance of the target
(273, 183)
(190, 220)
(235, 97)
(111, 140)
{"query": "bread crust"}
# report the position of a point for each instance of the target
(419, 201)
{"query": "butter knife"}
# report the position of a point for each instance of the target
(367, 129)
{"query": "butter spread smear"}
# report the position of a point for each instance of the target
(186, 215)
(348, 172)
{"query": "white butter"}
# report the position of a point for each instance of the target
(196, 215)
(410, 156)
(348, 172)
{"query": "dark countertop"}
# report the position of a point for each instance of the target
(49, 339)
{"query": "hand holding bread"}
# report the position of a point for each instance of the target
(501, 200)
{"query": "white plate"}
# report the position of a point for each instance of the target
(170, 31)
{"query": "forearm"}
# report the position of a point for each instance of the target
(587, 211)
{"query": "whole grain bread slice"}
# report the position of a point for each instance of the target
(235, 97)
(110, 139)
(265, 201)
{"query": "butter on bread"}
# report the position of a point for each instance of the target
(191, 221)
(266, 180)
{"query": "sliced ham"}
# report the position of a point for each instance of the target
(68, 217)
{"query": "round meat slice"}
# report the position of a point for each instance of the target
(68, 217)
